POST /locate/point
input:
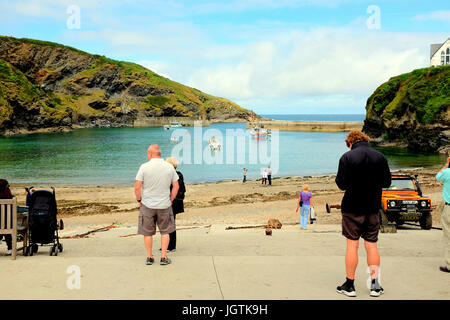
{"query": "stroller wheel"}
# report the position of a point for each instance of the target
(35, 248)
(26, 251)
(30, 250)
(52, 250)
(60, 247)
(56, 250)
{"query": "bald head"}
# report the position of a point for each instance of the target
(153, 151)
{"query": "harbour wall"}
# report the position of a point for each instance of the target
(307, 126)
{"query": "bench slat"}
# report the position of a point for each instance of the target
(9, 216)
(2, 216)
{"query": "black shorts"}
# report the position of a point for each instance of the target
(366, 226)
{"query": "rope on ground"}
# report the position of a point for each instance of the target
(259, 226)
(86, 234)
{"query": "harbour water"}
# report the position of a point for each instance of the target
(112, 156)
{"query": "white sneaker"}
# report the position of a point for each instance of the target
(8, 252)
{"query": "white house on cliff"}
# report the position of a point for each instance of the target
(440, 54)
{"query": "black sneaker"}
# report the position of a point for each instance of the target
(347, 289)
(149, 261)
(375, 289)
(165, 261)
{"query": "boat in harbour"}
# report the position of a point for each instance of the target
(214, 144)
(260, 133)
(173, 125)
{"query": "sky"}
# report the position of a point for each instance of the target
(270, 56)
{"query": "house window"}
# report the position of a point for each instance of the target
(447, 58)
(442, 58)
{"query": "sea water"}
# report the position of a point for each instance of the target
(112, 156)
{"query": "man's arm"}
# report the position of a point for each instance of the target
(137, 191)
(386, 175)
(341, 176)
(440, 176)
(175, 187)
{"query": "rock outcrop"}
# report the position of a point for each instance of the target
(48, 86)
(411, 110)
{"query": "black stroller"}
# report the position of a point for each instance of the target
(42, 222)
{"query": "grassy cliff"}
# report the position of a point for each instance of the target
(412, 109)
(53, 85)
(422, 92)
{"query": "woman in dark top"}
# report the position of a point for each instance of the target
(177, 204)
(5, 193)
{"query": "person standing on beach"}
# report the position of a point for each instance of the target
(305, 198)
(264, 176)
(362, 173)
(245, 176)
(269, 175)
(154, 198)
(177, 203)
(444, 176)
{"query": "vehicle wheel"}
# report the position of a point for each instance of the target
(35, 248)
(383, 218)
(55, 249)
(426, 221)
(60, 247)
(52, 250)
(27, 251)
(30, 250)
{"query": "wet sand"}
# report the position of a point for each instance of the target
(228, 202)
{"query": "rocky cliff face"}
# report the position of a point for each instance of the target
(411, 110)
(47, 85)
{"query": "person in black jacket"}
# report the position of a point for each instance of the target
(177, 204)
(363, 173)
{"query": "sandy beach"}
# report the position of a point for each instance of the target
(212, 262)
(227, 202)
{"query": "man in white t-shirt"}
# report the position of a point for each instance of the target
(154, 198)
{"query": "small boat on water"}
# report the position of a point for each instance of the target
(214, 144)
(173, 125)
(260, 133)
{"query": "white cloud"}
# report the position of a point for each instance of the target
(442, 15)
(268, 63)
(323, 61)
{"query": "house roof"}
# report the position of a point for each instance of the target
(435, 47)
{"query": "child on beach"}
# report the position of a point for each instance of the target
(305, 198)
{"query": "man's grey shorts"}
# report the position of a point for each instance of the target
(150, 218)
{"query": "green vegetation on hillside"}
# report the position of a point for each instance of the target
(65, 81)
(423, 92)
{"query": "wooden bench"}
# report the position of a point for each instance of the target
(8, 221)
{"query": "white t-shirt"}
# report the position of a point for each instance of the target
(264, 174)
(156, 175)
